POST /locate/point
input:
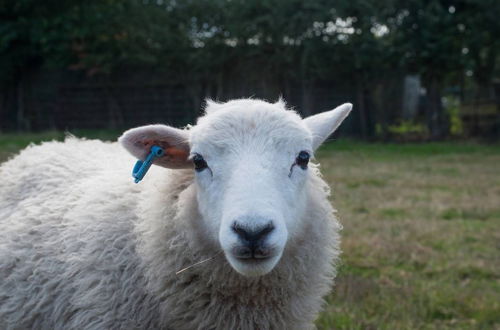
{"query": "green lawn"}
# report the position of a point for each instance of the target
(421, 236)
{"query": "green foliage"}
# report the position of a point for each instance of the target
(316, 38)
(95, 36)
(207, 44)
(425, 36)
(281, 37)
(407, 127)
(408, 130)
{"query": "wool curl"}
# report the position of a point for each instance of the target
(83, 248)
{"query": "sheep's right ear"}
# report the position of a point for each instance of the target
(323, 124)
(138, 141)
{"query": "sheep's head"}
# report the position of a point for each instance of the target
(251, 163)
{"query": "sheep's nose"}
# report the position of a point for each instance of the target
(252, 240)
(252, 235)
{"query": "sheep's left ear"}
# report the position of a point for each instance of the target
(325, 123)
(138, 141)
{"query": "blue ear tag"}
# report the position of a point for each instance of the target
(142, 167)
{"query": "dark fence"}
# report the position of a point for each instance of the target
(119, 106)
(68, 100)
(65, 100)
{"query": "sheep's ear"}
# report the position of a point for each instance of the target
(138, 141)
(325, 123)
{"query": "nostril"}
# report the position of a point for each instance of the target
(238, 229)
(266, 230)
(252, 234)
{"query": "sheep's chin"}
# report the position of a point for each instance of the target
(253, 267)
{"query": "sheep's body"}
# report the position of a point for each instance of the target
(82, 247)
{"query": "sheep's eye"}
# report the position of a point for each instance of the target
(302, 159)
(199, 163)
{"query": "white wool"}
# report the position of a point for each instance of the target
(83, 247)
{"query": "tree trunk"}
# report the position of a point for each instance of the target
(361, 107)
(496, 86)
(116, 118)
(20, 111)
(436, 120)
(307, 106)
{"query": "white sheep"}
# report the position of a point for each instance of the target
(83, 247)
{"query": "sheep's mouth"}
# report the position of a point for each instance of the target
(253, 260)
(251, 265)
(245, 253)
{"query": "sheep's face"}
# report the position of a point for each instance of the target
(251, 163)
(251, 192)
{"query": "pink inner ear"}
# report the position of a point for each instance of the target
(172, 154)
(149, 143)
(177, 153)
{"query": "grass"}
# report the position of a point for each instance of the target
(421, 236)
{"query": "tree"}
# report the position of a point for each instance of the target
(426, 42)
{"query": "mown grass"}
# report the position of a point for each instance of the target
(421, 238)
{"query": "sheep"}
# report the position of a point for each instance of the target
(231, 230)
